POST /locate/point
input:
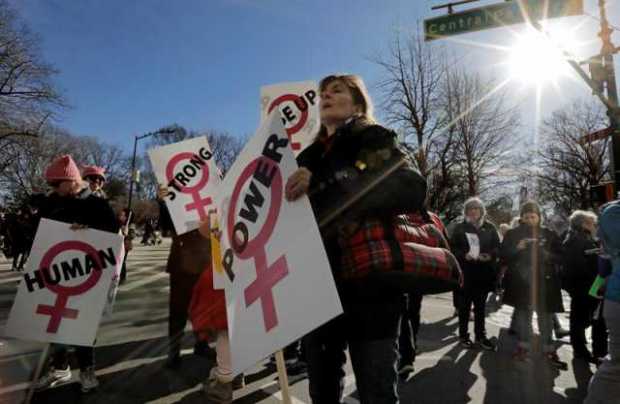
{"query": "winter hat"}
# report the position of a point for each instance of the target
(530, 207)
(94, 171)
(62, 168)
(472, 203)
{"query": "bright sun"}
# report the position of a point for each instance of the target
(533, 59)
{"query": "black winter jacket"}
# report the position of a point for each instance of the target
(579, 269)
(477, 275)
(536, 265)
(359, 173)
(92, 211)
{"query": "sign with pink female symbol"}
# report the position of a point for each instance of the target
(298, 104)
(274, 269)
(187, 170)
(64, 290)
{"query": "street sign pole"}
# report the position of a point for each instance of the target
(531, 11)
(610, 98)
(613, 112)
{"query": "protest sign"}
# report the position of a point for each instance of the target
(66, 285)
(188, 171)
(275, 271)
(299, 110)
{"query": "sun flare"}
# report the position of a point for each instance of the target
(534, 59)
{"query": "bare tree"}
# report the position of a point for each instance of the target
(27, 95)
(485, 126)
(569, 166)
(413, 74)
(111, 157)
(456, 125)
(25, 174)
(225, 148)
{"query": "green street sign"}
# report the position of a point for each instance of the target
(499, 15)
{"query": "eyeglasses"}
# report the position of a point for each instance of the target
(95, 178)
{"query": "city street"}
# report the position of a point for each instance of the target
(131, 350)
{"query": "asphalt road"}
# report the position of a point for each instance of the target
(131, 350)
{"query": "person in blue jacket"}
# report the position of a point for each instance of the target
(605, 384)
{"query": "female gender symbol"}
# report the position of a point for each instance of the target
(198, 203)
(302, 121)
(59, 310)
(266, 276)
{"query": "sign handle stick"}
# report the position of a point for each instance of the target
(283, 377)
(37, 373)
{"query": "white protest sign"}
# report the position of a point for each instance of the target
(298, 104)
(474, 245)
(275, 271)
(188, 170)
(65, 287)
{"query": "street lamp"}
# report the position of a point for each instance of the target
(133, 159)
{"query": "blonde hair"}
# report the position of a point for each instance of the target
(360, 95)
(579, 217)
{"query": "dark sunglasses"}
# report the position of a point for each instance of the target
(95, 178)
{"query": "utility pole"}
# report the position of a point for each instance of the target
(604, 88)
(613, 111)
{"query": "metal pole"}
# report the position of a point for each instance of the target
(133, 171)
(611, 98)
(607, 51)
(133, 159)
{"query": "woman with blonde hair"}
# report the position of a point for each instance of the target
(358, 180)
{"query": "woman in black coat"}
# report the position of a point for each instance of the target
(480, 269)
(580, 270)
(533, 253)
(355, 174)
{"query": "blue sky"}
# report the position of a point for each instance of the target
(129, 67)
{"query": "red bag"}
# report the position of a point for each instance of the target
(414, 258)
(207, 309)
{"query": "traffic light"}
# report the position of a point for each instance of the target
(601, 193)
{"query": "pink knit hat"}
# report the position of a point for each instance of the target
(93, 170)
(62, 168)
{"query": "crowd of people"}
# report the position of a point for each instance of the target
(386, 251)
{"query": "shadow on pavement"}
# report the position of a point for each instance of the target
(137, 384)
(434, 336)
(582, 372)
(509, 381)
(449, 381)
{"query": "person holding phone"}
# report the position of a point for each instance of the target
(532, 253)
